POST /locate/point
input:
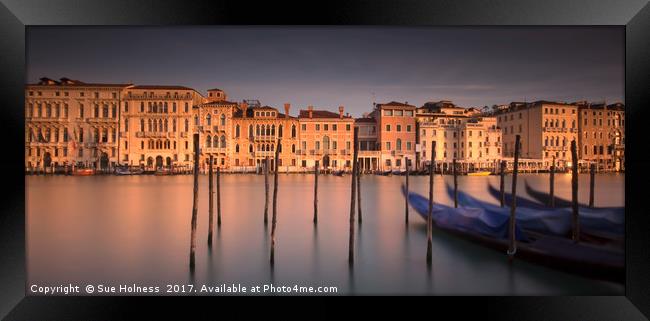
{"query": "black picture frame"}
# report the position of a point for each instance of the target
(15, 15)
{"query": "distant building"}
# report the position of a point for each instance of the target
(396, 123)
(546, 129)
(369, 147)
(474, 141)
(602, 135)
(326, 137)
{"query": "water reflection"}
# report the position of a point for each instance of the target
(136, 229)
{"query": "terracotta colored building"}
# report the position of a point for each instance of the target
(396, 123)
(602, 135)
(325, 137)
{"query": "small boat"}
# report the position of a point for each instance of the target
(385, 173)
(123, 171)
(84, 172)
(491, 230)
(162, 171)
(481, 173)
(338, 173)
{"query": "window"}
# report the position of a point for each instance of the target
(317, 126)
(387, 145)
(408, 145)
(387, 127)
(347, 127)
(223, 120)
(126, 106)
(399, 128)
(334, 127)
(399, 112)
(187, 108)
(388, 113)
(408, 128)
(303, 127)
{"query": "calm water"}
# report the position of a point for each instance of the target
(124, 230)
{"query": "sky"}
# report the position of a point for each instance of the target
(351, 66)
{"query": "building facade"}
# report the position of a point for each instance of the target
(396, 123)
(73, 124)
(461, 134)
(326, 137)
(546, 130)
(602, 135)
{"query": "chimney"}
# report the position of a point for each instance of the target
(341, 111)
(287, 106)
(244, 108)
(311, 111)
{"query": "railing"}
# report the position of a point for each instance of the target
(166, 97)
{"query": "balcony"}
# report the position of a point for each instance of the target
(264, 139)
(152, 135)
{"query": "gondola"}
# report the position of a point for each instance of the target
(491, 230)
(603, 225)
(338, 173)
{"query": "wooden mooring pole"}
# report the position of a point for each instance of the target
(218, 196)
(352, 198)
(274, 219)
(430, 216)
(552, 185)
(359, 192)
(574, 192)
(592, 183)
(455, 184)
(512, 248)
(502, 187)
(406, 199)
(316, 192)
(195, 204)
(266, 190)
(210, 204)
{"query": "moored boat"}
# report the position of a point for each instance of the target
(84, 172)
(480, 173)
(491, 230)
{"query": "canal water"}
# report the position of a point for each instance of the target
(115, 230)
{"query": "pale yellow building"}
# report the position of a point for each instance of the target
(546, 130)
(474, 141)
(71, 123)
(156, 126)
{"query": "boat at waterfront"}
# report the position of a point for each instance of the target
(123, 171)
(162, 171)
(490, 229)
(338, 173)
(84, 172)
(481, 173)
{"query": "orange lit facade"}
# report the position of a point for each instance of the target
(326, 137)
(396, 125)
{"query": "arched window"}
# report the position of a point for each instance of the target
(208, 120)
(326, 143)
(149, 124)
(273, 130)
(250, 148)
(237, 148)
(279, 148)
(268, 130)
(165, 108)
(257, 130)
(272, 147)
(250, 131)
(187, 124)
(399, 144)
(174, 125)
(293, 148)
(208, 142)
(280, 131)
(263, 130)
(215, 141)
(237, 130)
(196, 120)
(293, 131)
(155, 107)
(223, 119)
(160, 125)
(141, 125)
(223, 141)
(166, 125)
